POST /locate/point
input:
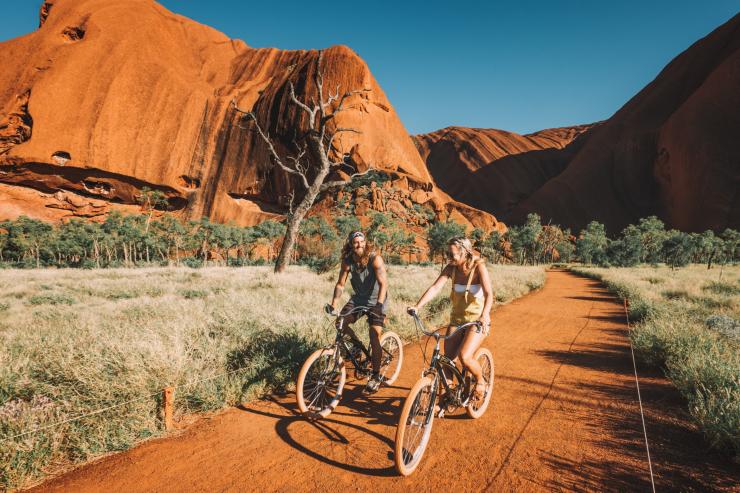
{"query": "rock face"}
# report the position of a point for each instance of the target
(493, 169)
(109, 97)
(672, 150)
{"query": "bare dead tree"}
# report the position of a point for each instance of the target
(311, 163)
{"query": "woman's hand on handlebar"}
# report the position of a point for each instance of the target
(330, 310)
(412, 310)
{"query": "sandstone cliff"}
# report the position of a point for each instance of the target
(109, 97)
(672, 150)
(494, 169)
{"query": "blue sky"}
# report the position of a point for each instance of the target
(520, 66)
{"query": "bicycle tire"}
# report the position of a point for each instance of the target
(319, 400)
(476, 407)
(418, 409)
(392, 344)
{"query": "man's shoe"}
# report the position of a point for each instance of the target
(373, 384)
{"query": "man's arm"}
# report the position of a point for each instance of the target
(339, 288)
(382, 277)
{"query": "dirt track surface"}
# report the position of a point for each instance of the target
(564, 416)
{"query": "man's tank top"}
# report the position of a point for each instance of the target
(365, 283)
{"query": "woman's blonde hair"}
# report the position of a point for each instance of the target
(466, 246)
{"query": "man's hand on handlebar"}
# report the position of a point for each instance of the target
(411, 310)
(330, 310)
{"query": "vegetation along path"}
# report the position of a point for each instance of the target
(564, 415)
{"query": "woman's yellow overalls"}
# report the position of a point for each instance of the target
(466, 307)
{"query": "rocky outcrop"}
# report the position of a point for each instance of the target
(494, 169)
(122, 95)
(57, 206)
(672, 151)
(15, 126)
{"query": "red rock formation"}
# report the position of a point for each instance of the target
(493, 169)
(109, 97)
(672, 150)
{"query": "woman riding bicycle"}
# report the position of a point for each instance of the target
(472, 298)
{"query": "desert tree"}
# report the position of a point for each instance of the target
(311, 162)
(439, 233)
(149, 200)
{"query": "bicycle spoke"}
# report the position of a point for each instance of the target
(318, 388)
(416, 426)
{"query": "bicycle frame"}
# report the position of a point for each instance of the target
(440, 362)
(341, 344)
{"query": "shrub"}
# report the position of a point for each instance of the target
(723, 288)
(725, 325)
(51, 299)
(192, 262)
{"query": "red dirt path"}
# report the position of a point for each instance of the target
(564, 416)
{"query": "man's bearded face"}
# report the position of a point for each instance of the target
(358, 246)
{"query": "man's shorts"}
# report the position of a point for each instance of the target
(375, 317)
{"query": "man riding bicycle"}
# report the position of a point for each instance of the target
(369, 282)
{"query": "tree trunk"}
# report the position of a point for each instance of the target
(295, 219)
(291, 232)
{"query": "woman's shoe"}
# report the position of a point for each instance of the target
(480, 390)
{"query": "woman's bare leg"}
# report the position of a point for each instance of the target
(470, 345)
(452, 345)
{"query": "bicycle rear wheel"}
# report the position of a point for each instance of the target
(392, 358)
(415, 426)
(320, 383)
(476, 407)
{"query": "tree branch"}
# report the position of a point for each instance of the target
(340, 106)
(311, 111)
(332, 98)
(319, 81)
(340, 183)
(299, 171)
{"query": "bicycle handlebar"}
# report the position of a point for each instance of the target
(356, 309)
(436, 334)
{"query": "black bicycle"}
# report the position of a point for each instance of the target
(323, 374)
(441, 378)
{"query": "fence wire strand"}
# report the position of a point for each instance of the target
(639, 397)
(120, 404)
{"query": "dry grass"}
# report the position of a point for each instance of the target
(688, 322)
(72, 341)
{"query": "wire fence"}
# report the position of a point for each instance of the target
(102, 410)
(187, 385)
(639, 397)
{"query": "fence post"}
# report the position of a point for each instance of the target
(169, 397)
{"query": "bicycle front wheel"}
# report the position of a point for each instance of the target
(320, 383)
(390, 362)
(415, 426)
